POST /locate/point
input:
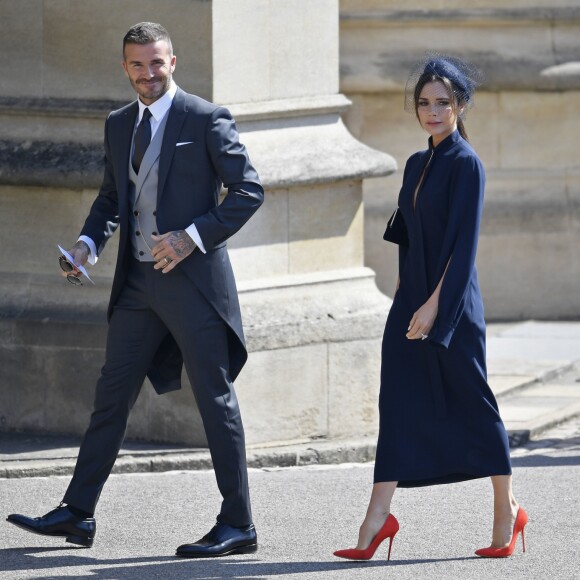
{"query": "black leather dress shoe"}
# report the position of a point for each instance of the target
(60, 522)
(222, 540)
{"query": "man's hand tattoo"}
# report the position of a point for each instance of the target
(80, 245)
(181, 243)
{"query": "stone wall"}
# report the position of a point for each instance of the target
(524, 125)
(313, 313)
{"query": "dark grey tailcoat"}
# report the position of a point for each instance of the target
(190, 180)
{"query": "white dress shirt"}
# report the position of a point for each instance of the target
(158, 110)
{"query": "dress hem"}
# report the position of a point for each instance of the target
(441, 480)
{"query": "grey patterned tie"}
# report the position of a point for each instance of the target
(142, 139)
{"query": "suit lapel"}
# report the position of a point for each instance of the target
(123, 140)
(176, 117)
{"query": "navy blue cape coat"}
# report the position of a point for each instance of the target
(439, 420)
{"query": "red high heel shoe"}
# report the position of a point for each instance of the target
(521, 521)
(389, 529)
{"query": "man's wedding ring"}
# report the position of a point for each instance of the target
(424, 336)
(168, 260)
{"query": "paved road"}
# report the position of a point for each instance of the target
(302, 515)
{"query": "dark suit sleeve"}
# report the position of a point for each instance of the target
(232, 165)
(103, 217)
(461, 236)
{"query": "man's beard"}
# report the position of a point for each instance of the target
(148, 92)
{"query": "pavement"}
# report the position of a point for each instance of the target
(309, 498)
(533, 369)
(302, 514)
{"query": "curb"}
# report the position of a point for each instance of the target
(313, 453)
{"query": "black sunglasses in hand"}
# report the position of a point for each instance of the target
(67, 267)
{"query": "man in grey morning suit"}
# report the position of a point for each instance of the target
(174, 299)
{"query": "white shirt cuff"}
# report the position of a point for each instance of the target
(93, 249)
(194, 235)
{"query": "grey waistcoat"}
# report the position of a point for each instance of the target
(143, 197)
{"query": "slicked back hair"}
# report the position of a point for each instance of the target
(145, 33)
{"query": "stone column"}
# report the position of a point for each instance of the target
(312, 312)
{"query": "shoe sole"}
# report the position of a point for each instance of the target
(85, 541)
(249, 549)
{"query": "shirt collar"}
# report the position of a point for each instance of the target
(160, 107)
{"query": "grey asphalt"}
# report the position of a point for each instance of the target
(302, 514)
(310, 497)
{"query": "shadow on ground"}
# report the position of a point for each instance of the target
(21, 559)
(570, 448)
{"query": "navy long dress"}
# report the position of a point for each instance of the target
(439, 421)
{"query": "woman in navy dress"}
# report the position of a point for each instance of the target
(439, 420)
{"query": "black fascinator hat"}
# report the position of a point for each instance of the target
(463, 78)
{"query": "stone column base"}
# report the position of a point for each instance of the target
(313, 371)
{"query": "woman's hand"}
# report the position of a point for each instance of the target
(423, 320)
